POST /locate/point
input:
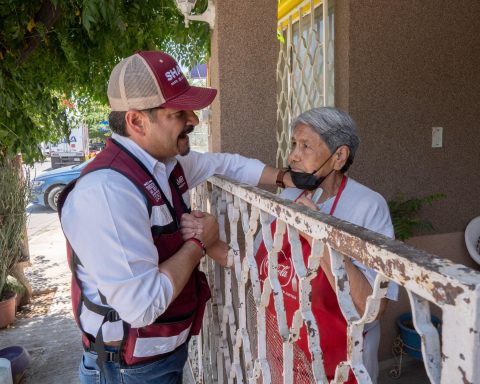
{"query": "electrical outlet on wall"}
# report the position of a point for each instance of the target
(437, 137)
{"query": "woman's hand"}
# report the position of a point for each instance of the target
(306, 200)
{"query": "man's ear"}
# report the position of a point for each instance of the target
(135, 123)
(340, 157)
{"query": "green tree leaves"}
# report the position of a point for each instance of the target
(57, 50)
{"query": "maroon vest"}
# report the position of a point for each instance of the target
(183, 317)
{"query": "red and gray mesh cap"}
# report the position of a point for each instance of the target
(154, 79)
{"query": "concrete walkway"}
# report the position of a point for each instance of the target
(53, 340)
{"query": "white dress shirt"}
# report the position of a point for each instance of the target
(106, 221)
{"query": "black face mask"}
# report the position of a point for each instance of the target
(307, 180)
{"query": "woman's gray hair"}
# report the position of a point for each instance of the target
(335, 127)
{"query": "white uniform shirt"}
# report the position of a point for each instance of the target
(105, 218)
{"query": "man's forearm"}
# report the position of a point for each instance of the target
(180, 266)
(269, 177)
(219, 252)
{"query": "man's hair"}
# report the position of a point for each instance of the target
(116, 120)
(335, 127)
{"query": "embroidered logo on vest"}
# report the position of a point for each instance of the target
(153, 190)
(180, 182)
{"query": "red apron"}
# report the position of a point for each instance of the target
(330, 321)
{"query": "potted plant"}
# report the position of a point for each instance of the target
(405, 211)
(14, 195)
(12, 285)
(406, 220)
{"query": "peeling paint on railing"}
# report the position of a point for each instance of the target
(231, 351)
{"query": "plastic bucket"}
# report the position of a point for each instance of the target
(19, 359)
(411, 339)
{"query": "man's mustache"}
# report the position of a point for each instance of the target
(188, 129)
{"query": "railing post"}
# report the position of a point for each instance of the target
(461, 342)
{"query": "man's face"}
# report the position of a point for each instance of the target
(308, 151)
(167, 133)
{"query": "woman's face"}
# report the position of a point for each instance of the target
(309, 152)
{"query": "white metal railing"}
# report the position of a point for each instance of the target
(231, 350)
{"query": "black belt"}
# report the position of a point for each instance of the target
(114, 356)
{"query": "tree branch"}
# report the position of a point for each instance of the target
(48, 16)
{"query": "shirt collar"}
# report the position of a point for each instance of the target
(145, 158)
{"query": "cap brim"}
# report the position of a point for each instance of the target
(194, 99)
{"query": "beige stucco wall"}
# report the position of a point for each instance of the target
(243, 65)
(403, 67)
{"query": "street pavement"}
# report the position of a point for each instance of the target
(53, 340)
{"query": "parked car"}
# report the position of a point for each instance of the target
(95, 148)
(47, 186)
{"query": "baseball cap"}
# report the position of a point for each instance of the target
(152, 79)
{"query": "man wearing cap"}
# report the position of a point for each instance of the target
(137, 293)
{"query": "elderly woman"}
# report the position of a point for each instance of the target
(324, 143)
